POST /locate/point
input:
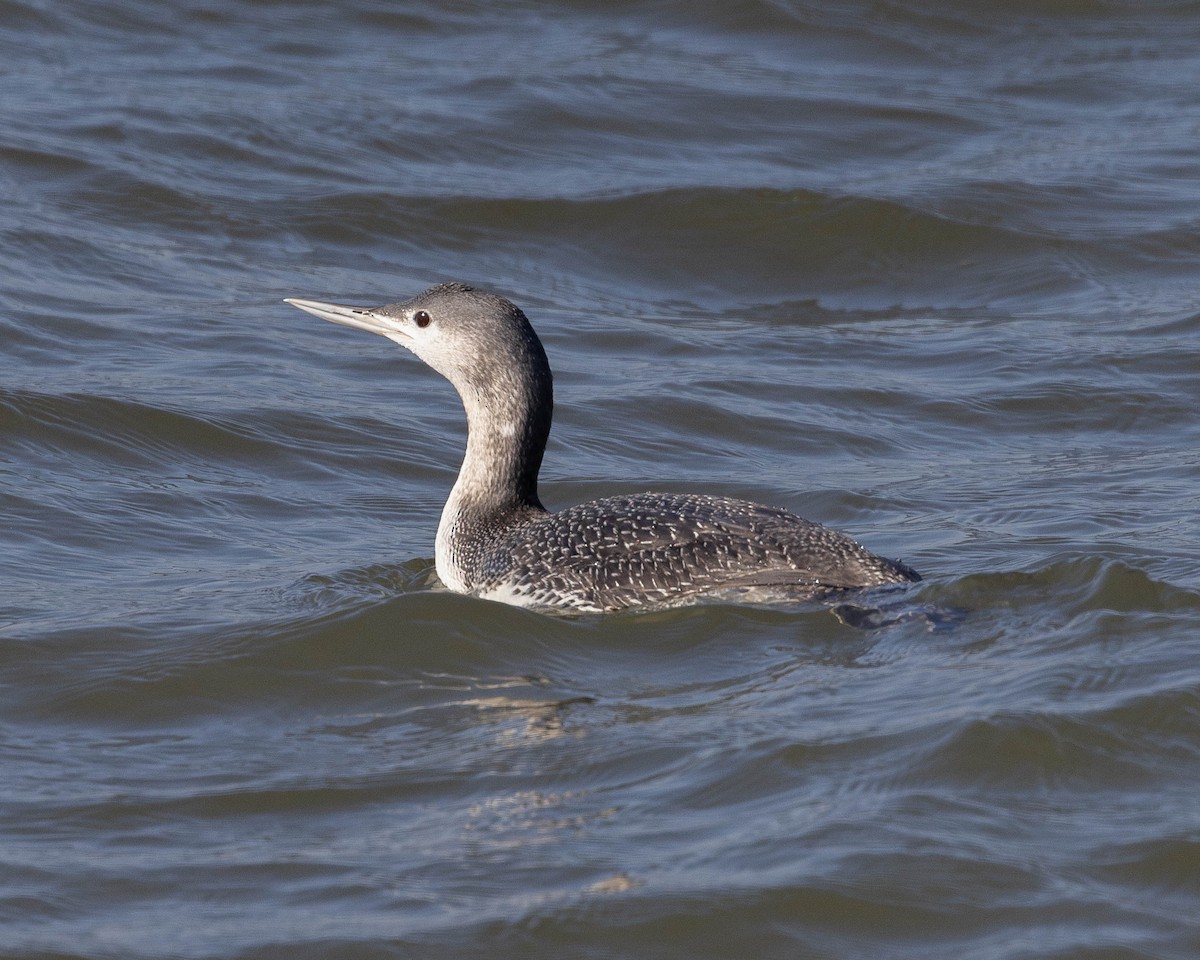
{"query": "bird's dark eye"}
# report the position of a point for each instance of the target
(421, 318)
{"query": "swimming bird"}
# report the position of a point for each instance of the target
(496, 540)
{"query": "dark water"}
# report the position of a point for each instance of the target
(925, 272)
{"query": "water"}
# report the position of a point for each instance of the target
(923, 272)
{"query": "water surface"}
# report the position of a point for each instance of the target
(925, 273)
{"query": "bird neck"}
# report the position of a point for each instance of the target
(504, 454)
(507, 428)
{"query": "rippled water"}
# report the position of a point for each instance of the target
(924, 272)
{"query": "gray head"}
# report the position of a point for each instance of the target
(477, 340)
(484, 345)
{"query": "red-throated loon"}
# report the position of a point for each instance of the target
(496, 540)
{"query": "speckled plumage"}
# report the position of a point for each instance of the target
(496, 540)
(660, 548)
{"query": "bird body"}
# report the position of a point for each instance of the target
(497, 541)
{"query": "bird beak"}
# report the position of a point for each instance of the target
(361, 318)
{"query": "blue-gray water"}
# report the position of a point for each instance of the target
(926, 272)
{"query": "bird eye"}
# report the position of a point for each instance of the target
(421, 318)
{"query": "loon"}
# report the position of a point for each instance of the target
(496, 540)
